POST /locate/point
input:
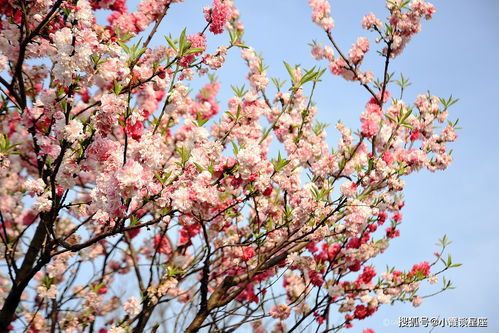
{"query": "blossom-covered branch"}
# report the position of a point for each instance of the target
(130, 203)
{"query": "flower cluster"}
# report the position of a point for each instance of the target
(218, 15)
(321, 13)
(406, 23)
(126, 184)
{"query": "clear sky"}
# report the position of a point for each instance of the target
(456, 53)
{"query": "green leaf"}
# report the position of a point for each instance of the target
(200, 120)
(235, 149)
(390, 117)
(278, 84)
(173, 271)
(290, 71)
(319, 127)
(117, 88)
(211, 169)
(171, 43)
(448, 102)
(239, 91)
(184, 155)
(199, 167)
(182, 42)
(280, 163)
(309, 76)
(124, 47)
(193, 50)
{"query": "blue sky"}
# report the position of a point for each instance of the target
(456, 54)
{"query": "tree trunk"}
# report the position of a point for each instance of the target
(23, 277)
(198, 321)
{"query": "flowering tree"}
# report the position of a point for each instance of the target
(128, 205)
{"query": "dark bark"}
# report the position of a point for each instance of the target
(143, 319)
(23, 277)
(198, 321)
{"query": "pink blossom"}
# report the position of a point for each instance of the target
(248, 253)
(116, 329)
(43, 203)
(249, 159)
(217, 16)
(280, 311)
(321, 11)
(356, 53)
(328, 53)
(37, 186)
(417, 300)
(216, 61)
(101, 149)
(371, 118)
(421, 268)
(162, 244)
(130, 170)
(348, 188)
(132, 306)
(74, 131)
(371, 21)
(49, 293)
(130, 177)
(198, 41)
(134, 128)
(339, 67)
(317, 52)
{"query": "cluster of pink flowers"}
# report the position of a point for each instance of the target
(148, 11)
(321, 13)
(113, 170)
(371, 118)
(356, 53)
(348, 68)
(257, 76)
(421, 268)
(325, 52)
(206, 106)
(280, 311)
(217, 60)
(132, 306)
(370, 21)
(406, 23)
(198, 41)
(218, 15)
